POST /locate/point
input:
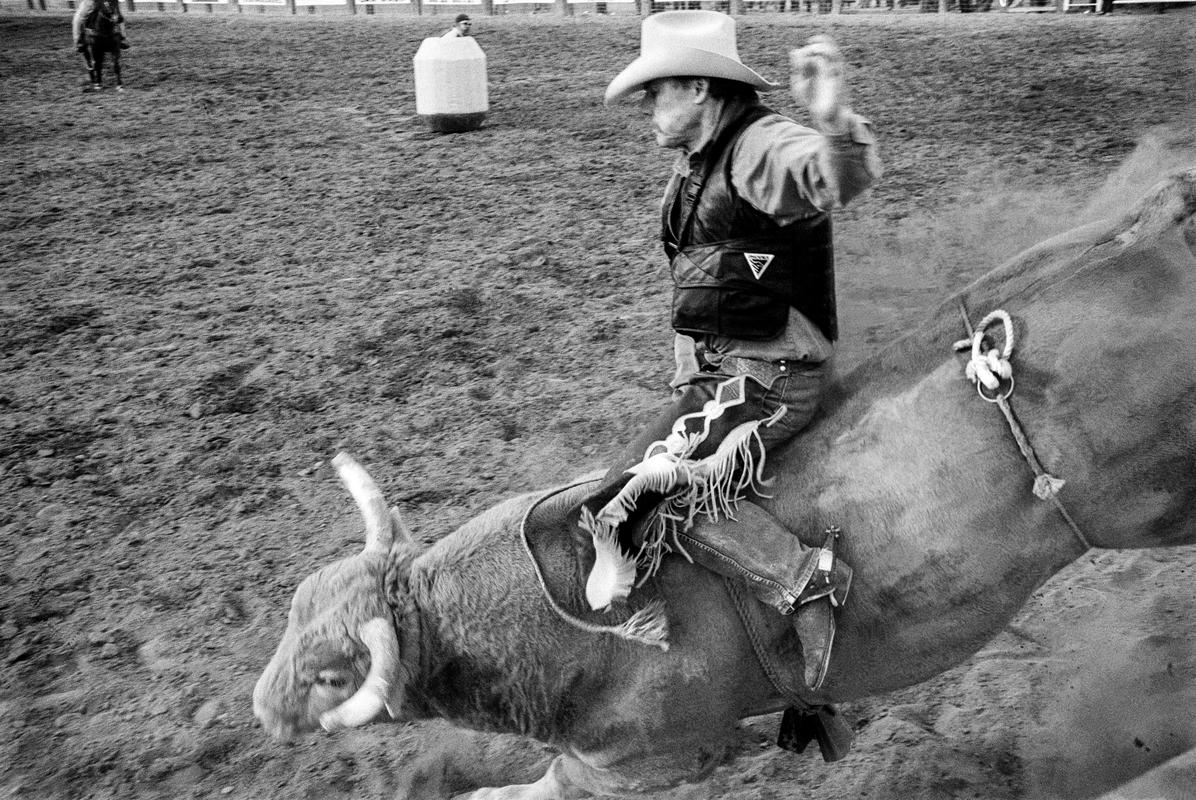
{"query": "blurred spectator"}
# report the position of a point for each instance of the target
(462, 26)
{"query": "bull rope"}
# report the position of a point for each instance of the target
(993, 375)
(648, 625)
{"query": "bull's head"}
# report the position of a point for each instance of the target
(338, 663)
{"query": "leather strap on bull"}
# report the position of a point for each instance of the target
(992, 372)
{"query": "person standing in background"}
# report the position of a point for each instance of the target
(462, 26)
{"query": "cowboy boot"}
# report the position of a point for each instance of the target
(807, 583)
(814, 622)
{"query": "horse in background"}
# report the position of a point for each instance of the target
(99, 31)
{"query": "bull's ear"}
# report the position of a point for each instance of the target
(398, 528)
(379, 533)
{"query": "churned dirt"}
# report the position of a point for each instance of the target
(258, 256)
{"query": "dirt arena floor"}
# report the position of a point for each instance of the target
(258, 255)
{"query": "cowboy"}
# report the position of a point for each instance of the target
(746, 226)
(462, 26)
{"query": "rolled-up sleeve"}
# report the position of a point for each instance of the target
(790, 171)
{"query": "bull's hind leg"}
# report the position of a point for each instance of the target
(570, 778)
(567, 778)
(120, 87)
(558, 783)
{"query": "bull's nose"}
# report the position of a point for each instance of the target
(273, 724)
(277, 729)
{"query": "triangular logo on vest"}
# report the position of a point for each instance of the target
(758, 262)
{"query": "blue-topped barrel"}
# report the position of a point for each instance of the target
(451, 94)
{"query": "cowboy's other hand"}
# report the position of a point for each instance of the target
(816, 80)
(80, 47)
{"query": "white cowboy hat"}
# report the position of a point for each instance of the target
(675, 44)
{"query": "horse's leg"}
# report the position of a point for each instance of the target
(97, 59)
(89, 51)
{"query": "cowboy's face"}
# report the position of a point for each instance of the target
(676, 107)
(464, 27)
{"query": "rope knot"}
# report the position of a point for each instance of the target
(988, 369)
(1047, 486)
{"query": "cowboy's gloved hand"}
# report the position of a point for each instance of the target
(124, 43)
(816, 81)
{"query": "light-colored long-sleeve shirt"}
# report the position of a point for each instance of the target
(789, 171)
(85, 8)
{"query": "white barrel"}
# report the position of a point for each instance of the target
(450, 84)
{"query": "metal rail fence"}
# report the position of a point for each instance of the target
(570, 7)
(563, 7)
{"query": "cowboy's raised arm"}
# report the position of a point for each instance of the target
(847, 163)
(790, 171)
(844, 162)
(816, 82)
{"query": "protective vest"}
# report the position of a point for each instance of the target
(736, 271)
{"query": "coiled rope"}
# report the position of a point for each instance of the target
(992, 373)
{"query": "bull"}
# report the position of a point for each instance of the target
(931, 486)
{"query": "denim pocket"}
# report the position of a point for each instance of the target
(800, 392)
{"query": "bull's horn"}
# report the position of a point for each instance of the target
(378, 533)
(370, 699)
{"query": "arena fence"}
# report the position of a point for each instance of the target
(569, 7)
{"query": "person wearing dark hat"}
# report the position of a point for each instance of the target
(746, 226)
(462, 26)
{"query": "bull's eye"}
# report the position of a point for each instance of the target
(332, 679)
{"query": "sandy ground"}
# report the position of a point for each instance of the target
(258, 255)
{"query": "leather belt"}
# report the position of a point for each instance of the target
(764, 372)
